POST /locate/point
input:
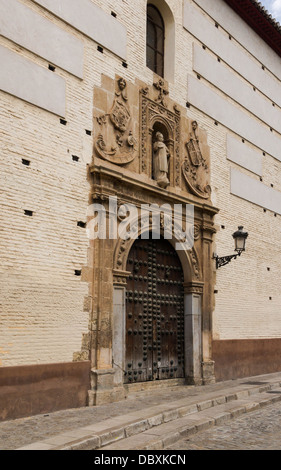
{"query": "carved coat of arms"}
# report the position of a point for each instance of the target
(120, 116)
(115, 141)
(195, 167)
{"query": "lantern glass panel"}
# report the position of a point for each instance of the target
(240, 243)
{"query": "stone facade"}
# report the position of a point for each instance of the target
(138, 112)
(88, 134)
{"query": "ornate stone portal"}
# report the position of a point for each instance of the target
(147, 152)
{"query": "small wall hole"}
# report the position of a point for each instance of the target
(81, 224)
(28, 213)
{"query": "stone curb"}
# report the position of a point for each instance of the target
(101, 434)
(205, 424)
(114, 434)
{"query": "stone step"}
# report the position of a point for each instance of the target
(163, 435)
(149, 420)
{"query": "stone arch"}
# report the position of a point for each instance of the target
(158, 122)
(159, 125)
(189, 258)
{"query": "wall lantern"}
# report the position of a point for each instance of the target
(240, 238)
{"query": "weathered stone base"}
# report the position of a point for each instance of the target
(193, 381)
(208, 372)
(96, 397)
(140, 386)
(103, 390)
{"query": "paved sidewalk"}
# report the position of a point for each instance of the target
(145, 420)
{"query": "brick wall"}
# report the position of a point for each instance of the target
(42, 300)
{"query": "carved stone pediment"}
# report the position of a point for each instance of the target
(195, 167)
(139, 126)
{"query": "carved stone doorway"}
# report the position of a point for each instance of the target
(154, 313)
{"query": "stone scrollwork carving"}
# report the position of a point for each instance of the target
(195, 168)
(122, 89)
(163, 91)
(195, 263)
(115, 141)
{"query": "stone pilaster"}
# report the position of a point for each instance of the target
(119, 325)
(208, 231)
(193, 317)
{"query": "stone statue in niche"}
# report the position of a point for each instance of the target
(160, 161)
(195, 167)
(115, 141)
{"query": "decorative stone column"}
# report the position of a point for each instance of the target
(193, 343)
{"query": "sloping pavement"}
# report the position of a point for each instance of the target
(146, 420)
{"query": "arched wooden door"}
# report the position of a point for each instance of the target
(154, 313)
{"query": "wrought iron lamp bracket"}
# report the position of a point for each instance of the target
(222, 261)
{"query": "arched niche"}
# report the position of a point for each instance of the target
(159, 128)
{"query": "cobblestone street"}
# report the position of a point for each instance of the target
(259, 430)
(239, 414)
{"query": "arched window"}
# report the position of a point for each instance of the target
(155, 40)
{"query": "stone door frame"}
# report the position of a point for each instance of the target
(193, 292)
